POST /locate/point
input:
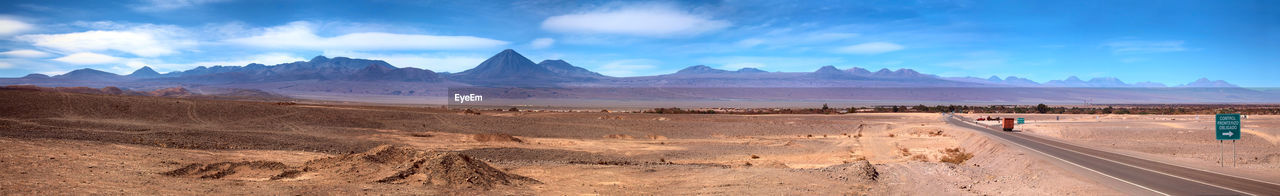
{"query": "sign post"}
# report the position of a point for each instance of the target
(1021, 121)
(1228, 128)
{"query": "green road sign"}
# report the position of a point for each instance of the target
(1020, 121)
(1228, 127)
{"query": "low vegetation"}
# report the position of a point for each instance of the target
(955, 156)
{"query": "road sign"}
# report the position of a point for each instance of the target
(1020, 121)
(1228, 126)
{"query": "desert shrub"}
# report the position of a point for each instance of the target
(955, 156)
(920, 157)
(939, 133)
(755, 156)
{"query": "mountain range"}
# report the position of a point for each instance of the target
(509, 68)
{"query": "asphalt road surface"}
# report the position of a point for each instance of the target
(1160, 178)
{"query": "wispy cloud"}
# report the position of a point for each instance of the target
(646, 20)
(870, 48)
(542, 43)
(1144, 47)
(26, 53)
(88, 58)
(11, 26)
(147, 40)
(301, 35)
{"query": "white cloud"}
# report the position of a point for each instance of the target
(166, 5)
(870, 48)
(1143, 47)
(635, 20)
(627, 67)
(88, 58)
(10, 27)
(541, 43)
(25, 53)
(5, 65)
(435, 62)
(301, 35)
(142, 40)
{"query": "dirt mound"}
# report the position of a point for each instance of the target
(404, 165)
(858, 170)
(244, 170)
(383, 164)
(454, 170)
(495, 137)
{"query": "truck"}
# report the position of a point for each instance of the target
(1008, 124)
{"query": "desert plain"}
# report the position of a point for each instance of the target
(70, 143)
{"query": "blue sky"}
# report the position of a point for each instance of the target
(1171, 42)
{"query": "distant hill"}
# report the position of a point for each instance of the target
(1206, 83)
(145, 72)
(703, 69)
(88, 74)
(381, 73)
(35, 76)
(318, 68)
(509, 68)
(565, 69)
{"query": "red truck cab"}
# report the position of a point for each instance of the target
(1008, 124)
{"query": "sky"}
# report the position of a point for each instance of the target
(1170, 42)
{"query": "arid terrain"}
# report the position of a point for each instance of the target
(69, 143)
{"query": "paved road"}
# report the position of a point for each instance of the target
(1157, 177)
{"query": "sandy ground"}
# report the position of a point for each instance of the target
(1185, 140)
(90, 144)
